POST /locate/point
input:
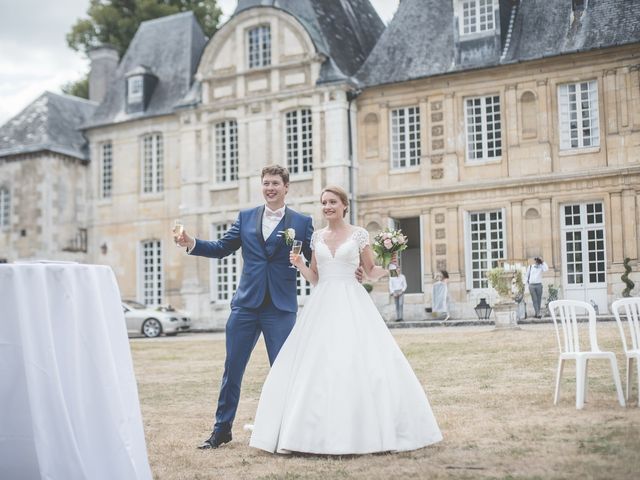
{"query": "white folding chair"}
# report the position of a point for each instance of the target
(565, 320)
(631, 308)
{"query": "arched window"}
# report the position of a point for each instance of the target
(299, 141)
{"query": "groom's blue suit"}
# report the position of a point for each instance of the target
(265, 301)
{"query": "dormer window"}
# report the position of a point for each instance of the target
(140, 84)
(135, 89)
(259, 43)
(477, 16)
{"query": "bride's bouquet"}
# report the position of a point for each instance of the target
(388, 242)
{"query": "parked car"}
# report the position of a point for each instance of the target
(152, 322)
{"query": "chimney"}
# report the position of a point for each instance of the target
(578, 6)
(104, 61)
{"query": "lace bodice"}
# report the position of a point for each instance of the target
(343, 262)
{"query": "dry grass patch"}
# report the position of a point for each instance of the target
(490, 391)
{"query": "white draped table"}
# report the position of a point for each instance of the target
(69, 406)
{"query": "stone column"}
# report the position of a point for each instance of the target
(629, 225)
(609, 97)
(616, 216)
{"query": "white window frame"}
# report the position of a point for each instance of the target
(298, 138)
(5, 207)
(152, 164)
(592, 228)
(578, 104)
(303, 288)
(483, 130)
(406, 147)
(259, 46)
(224, 275)
(226, 151)
(150, 272)
(135, 89)
(106, 169)
(491, 260)
(476, 17)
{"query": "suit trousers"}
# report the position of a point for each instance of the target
(535, 289)
(242, 332)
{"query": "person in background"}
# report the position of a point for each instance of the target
(533, 278)
(397, 286)
(440, 294)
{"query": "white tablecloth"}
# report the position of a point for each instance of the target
(69, 406)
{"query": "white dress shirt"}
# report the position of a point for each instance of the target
(534, 273)
(270, 220)
(397, 283)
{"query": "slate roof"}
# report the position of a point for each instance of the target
(50, 123)
(169, 47)
(343, 30)
(420, 40)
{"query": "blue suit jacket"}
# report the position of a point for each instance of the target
(265, 263)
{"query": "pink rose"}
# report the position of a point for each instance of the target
(388, 244)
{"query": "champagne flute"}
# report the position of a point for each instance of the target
(296, 248)
(178, 229)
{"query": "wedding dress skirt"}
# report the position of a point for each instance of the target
(340, 384)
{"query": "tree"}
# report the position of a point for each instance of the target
(115, 22)
(79, 88)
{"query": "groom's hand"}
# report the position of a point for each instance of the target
(359, 273)
(185, 240)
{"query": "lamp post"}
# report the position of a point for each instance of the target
(483, 309)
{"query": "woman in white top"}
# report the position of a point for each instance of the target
(533, 278)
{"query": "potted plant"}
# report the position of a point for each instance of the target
(508, 283)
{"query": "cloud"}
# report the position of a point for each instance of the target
(34, 55)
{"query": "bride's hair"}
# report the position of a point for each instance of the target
(341, 193)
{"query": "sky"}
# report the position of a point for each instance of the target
(34, 55)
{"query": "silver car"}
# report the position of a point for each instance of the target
(152, 322)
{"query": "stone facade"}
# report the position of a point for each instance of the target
(258, 100)
(530, 182)
(203, 128)
(48, 217)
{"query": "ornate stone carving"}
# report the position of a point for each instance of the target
(437, 173)
(436, 160)
(436, 117)
(440, 233)
(437, 144)
(439, 217)
(441, 249)
(437, 130)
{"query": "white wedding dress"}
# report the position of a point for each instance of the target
(340, 384)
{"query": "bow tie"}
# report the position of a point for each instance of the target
(273, 215)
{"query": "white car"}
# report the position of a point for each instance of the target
(152, 322)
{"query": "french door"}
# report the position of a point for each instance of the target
(583, 253)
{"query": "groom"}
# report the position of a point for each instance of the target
(266, 299)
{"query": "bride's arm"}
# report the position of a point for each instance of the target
(371, 270)
(310, 272)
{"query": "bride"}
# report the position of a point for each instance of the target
(340, 384)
